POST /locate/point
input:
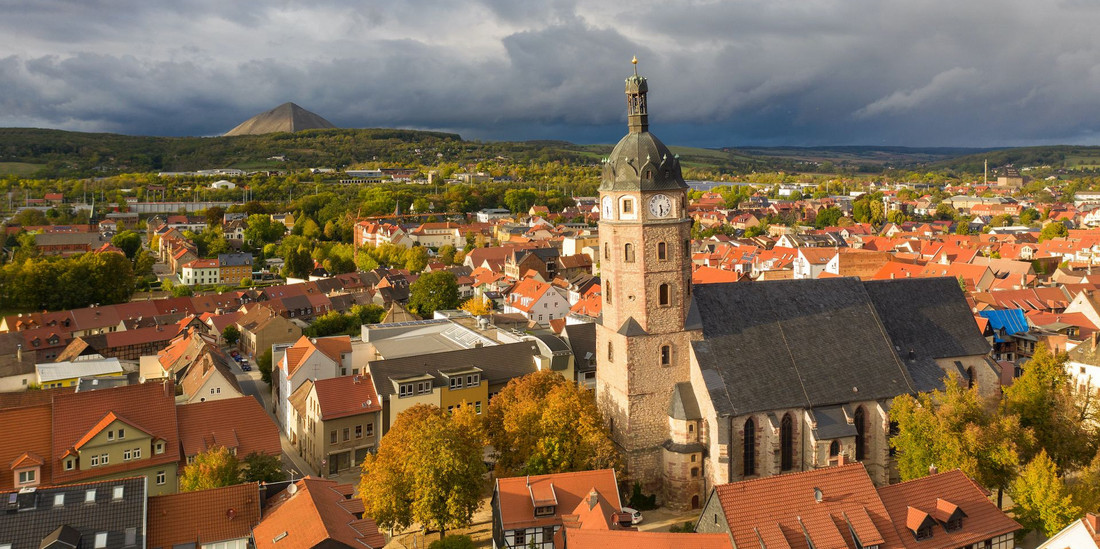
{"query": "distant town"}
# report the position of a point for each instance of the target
(634, 348)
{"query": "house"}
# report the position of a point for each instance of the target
(219, 517)
(232, 268)
(105, 513)
(544, 261)
(1080, 534)
(210, 377)
(435, 235)
(337, 421)
(811, 262)
(66, 374)
(261, 328)
(538, 301)
(316, 513)
(532, 511)
(201, 272)
(581, 538)
(1083, 364)
(240, 424)
(313, 359)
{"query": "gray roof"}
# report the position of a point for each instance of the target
(30, 518)
(795, 343)
(498, 364)
(634, 156)
(683, 405)
(832, 423)
(582, 339)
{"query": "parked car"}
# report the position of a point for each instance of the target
(246, 367)
(235, 354)
(635, 515)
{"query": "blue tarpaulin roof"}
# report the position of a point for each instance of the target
(1010, 321)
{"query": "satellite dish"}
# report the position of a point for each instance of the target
(292, 489)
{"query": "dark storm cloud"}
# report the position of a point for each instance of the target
(935, 72)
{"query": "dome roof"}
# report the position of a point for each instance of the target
(640, 162)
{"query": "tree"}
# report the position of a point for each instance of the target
(298, 263)
(128, 241)
(416, 258)
(428, 469)
(944, 212)
(956, 429)
(263, 364)
(1047, 403)
(828, 217)
(246, 282)
(260, 229)
(1042, 501)
(453, 542)
(477, 306)
(231, 334)
(260, 467)
(543, 423)
(213, 468)
(434, 291)
(1029, 216)
(446, 254)
(1054, 229)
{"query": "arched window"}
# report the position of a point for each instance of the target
(970, 378)
(861, 433)
(750, 448)
(786, 443)
(834, 449)
(694, 502)
(664, 295)
(666, 355)
(662, 251)
(610, 352)
(628, 252)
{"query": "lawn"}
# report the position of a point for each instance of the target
(20, 169)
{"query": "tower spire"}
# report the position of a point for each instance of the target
(637, 111)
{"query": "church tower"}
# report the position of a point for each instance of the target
(643, 339)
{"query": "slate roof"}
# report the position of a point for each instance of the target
(498, 364)
(204, 516)
(582, 340)
(683, 404)
(38, 517)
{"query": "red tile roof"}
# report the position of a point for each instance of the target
(319, 510)
(515, 495)
(205, 516)
(239, 423)
(346, 396)
(26, 430)
(604, 539)
(937, 496)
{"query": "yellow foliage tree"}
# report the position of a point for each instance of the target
(477, 306)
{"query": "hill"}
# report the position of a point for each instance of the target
(287, 117)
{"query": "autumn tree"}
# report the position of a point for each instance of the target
(477, 306)
(213, 468)
(428, 470)
(544, 423)
(956, 429)
(434, 291)
(1047, 403)
(1042, 501)
(446, 254)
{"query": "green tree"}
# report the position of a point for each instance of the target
(828, 217)
(260, 229)
(428, 469)
(246, 282)
(1042, 501)
(260, 467)
(543, 423)
(944, 212)
(298, 264)
(231, 334)
(437, 290)
(1054, 229)
(446, 254)
(263, 364)
(213, 468)
(416, 258)
(127, 241)
(956, 429)
(457, 541)
(1029, 216)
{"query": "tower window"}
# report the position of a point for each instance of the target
(664, 295)
(610, 352)
(687, 249)
(628, 206)
(666, 355)
(662, 251)
(606, 251)
(628, 252)
(607, 291)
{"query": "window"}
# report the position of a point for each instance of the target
(160, 478)
(924, 532)
(666, 355)
(370, 429)
(131, 536)
(125, 455)
(970, 377)
(786, 443)
(358, 431)
(749, 448)
(607, 291)
(105, 458)
(117, 492)
(628, 252)
(664, 295)
(471, 380)
(100, 539)
(861, 436)
(121, 434)
(694, 472)
(332, 437)
(159, 448)
(424, 387)
(137, 453)
(628, 206)
(406, 389)
(687, 250)
(456, 382)
(606, 251)
(347, 434)
(59, 500)
(894, 431)
(834, 449)
(954, 523)
(610, 352)
(110, 435)
(477, 407)
(520, 539)
(89, 496)
(26, 477)
(95, 461)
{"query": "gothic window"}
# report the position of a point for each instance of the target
(834, 449)
(750, 447)
(666, 355)
(861, 433)
(786, 443)
(664, 295)
(662, 251)
(628, 252)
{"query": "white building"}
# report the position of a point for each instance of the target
(200, 271)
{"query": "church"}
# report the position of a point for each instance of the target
(725, 382)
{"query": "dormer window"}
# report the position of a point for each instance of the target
(545, 510)
(954, 523)
(924, 532)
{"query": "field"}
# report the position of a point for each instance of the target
(20, 169)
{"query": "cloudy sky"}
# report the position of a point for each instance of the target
(721, 72)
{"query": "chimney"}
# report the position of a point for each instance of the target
(1093, 522)
(932, 469)
(841, 459)
(593, 498)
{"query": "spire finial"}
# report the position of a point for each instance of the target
(635, 63)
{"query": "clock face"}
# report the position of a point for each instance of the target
(660, 205)
(608, 207)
